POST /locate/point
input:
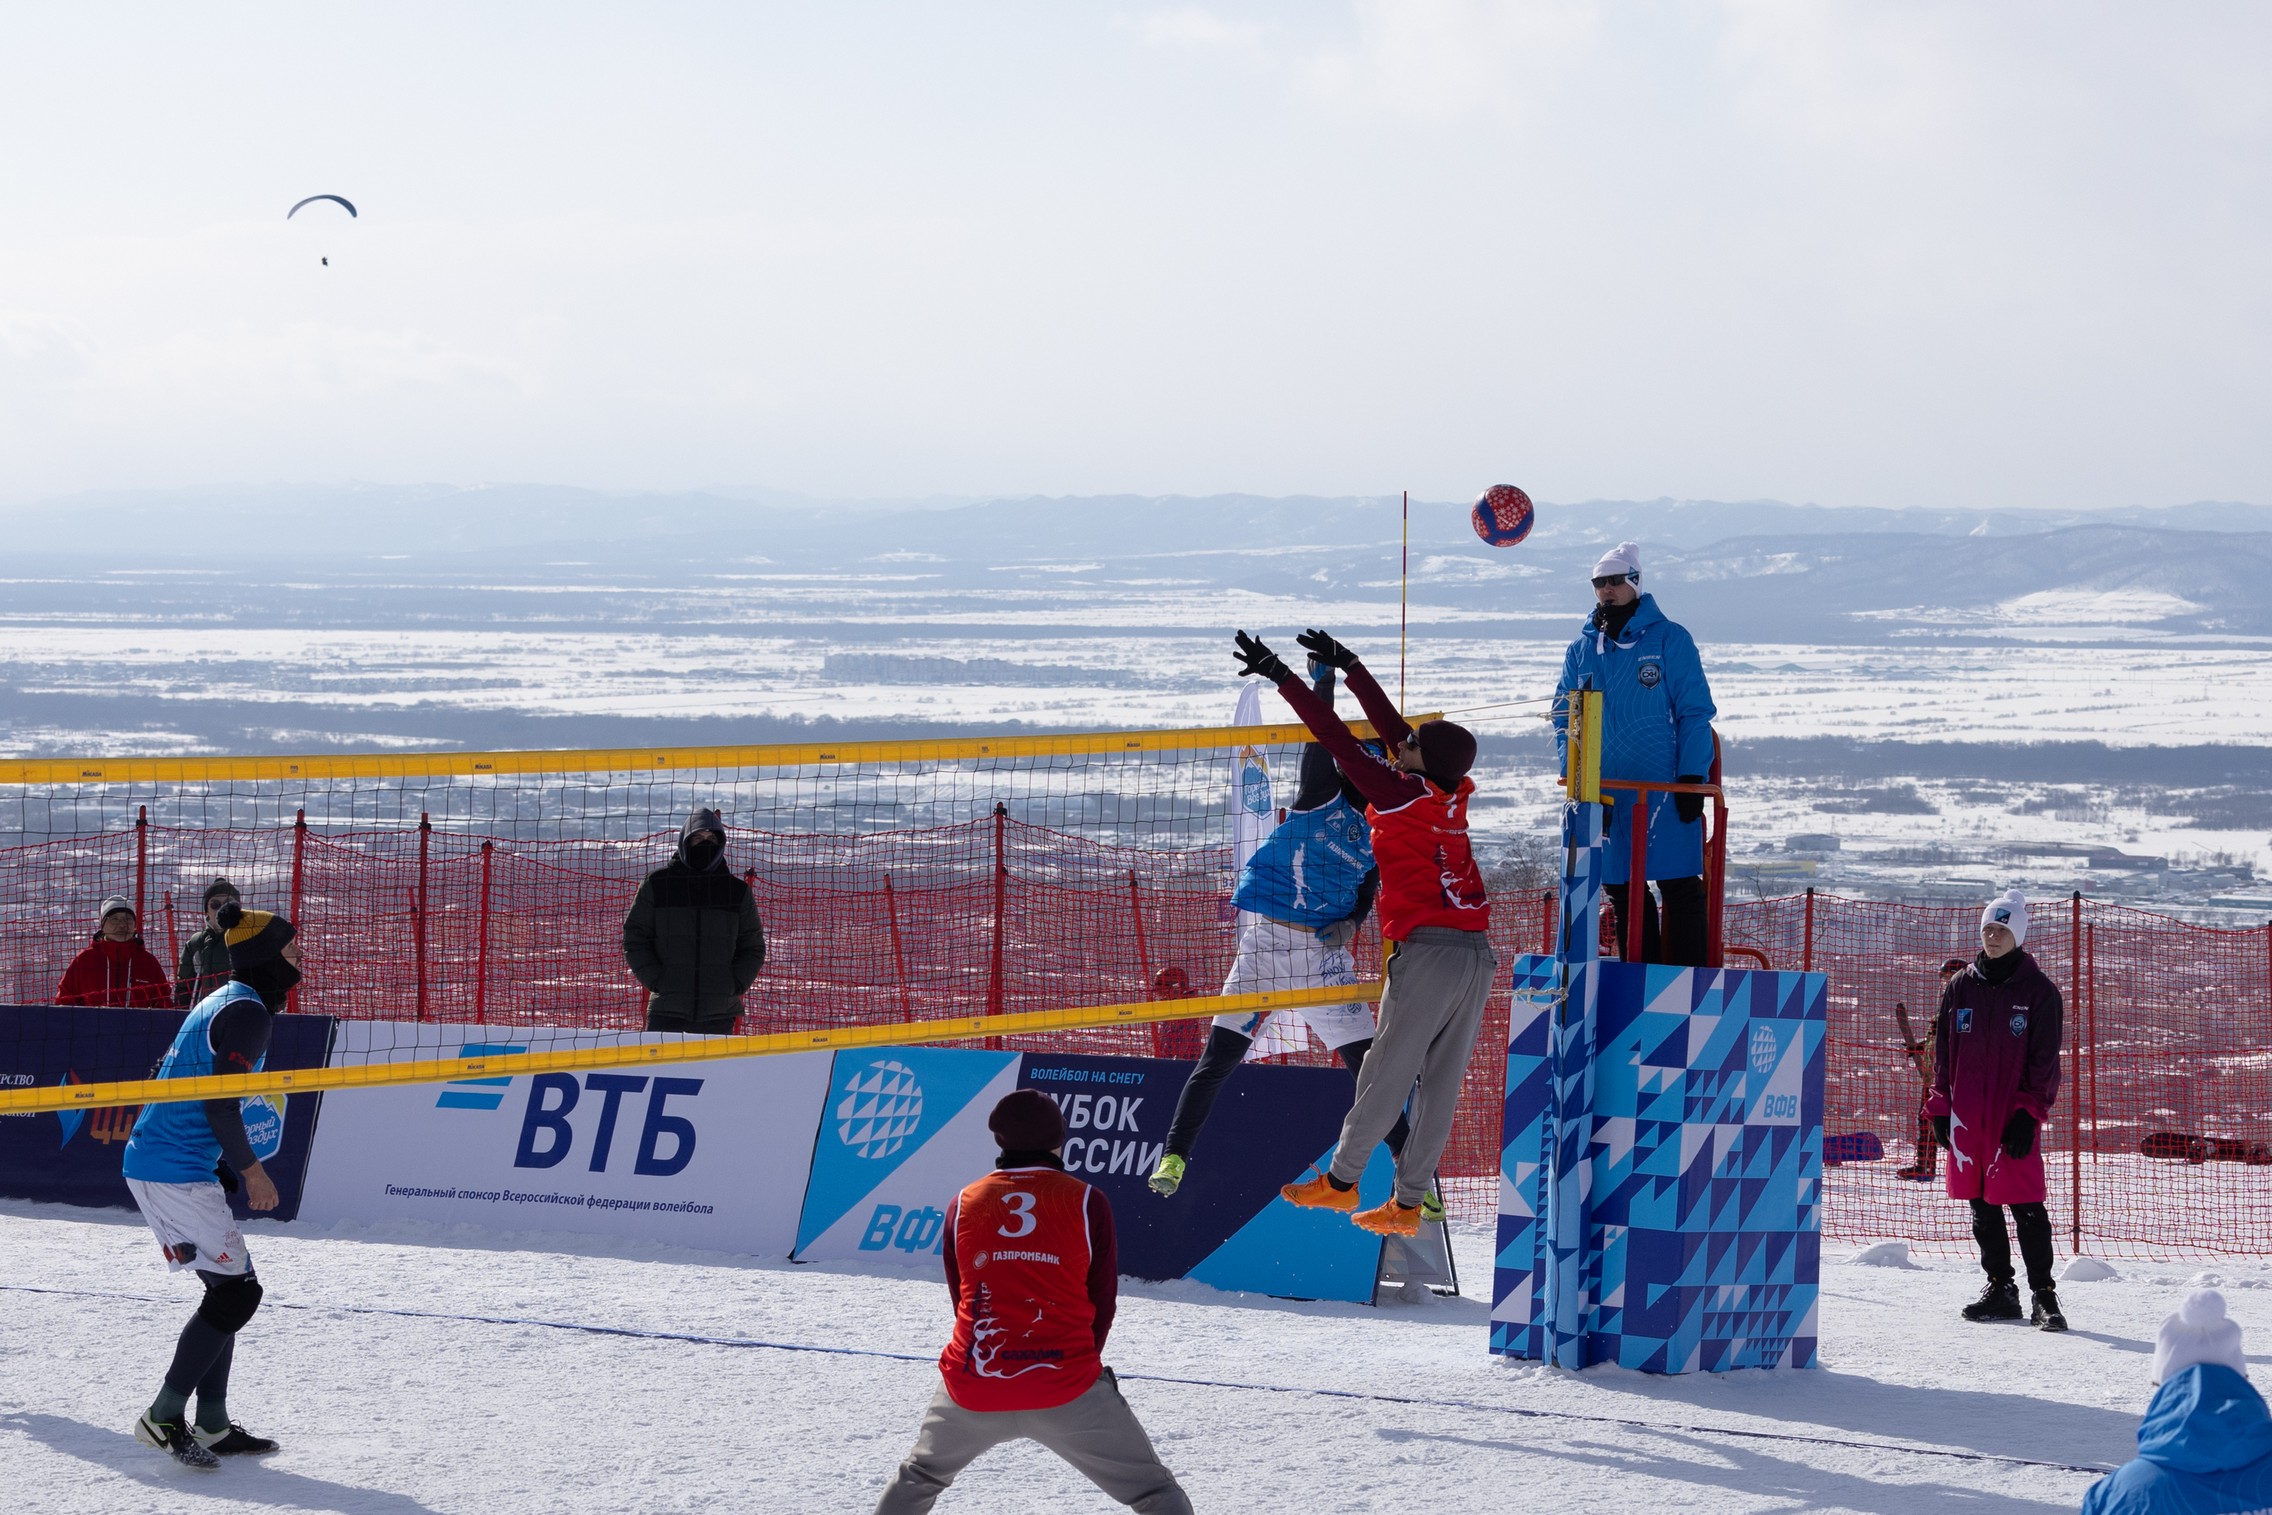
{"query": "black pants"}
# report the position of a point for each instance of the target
(1225, 1050)
(1682, 941)
(2034, 1224)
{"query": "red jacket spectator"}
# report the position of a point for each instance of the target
(1995, 1050)
(116, 971)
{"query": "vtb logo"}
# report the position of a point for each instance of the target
(547, 1135)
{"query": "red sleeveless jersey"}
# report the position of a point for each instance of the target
(1025, 1326)
(1428, 874)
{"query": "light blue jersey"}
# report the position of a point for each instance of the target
(174, 1143)
(1308, 871)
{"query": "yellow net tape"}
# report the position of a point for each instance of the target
(690, 1050)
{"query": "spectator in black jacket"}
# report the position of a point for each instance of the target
(205, 956)
(693, 936)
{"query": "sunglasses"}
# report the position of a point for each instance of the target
(1613, 578)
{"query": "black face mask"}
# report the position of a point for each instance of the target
(701, 855)
(271, 980)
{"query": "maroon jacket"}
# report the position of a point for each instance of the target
(1995, 1050)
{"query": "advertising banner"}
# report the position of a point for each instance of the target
(1705, 1162)
(72, 1156)
(906, 1129)
(710, 1155)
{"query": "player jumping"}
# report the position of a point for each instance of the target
(181, 1160)
(1434, 913)
(1307, 889)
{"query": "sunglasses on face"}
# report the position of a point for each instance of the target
(1615, 578)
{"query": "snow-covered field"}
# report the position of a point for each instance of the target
(440, 1372)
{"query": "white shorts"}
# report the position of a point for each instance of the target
(195, 1229)
(1274, 956)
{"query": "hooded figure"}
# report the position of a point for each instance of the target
(205, 957)
(693, 937)
(2205, 1446)
(115, 970)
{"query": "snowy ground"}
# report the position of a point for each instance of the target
(442, 1373)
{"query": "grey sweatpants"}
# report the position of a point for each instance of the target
(1097, 1433)
(1431, 1008)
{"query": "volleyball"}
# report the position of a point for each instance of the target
(1503, 515)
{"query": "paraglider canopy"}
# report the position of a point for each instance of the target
(312, 199)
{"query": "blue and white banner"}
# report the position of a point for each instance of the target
(709, 1154)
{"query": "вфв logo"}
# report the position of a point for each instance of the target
(1763, 1049)
(882, 1106)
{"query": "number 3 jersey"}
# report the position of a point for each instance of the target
(1032, 1262)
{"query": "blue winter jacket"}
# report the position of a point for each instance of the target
(2205, 1448)
(1656, 725)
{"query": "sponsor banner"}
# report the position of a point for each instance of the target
(72, 1156)
(905, 1129)
(710, 1155)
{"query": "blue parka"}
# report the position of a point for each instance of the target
(2205, 1448)
(1656, 725)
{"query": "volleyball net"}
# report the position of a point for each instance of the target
(1066, 893)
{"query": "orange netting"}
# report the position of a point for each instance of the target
(2168, 1080)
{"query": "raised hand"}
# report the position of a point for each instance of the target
(1322, 646)
(1254, 657)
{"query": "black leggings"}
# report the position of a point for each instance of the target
(1225, 1050)
(2034, 1225)
(1684, 938)
(203, 1352)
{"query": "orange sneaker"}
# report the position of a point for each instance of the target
(1390, 1219)
(1318, 1193)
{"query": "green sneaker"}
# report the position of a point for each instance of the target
(1431, 1206)
(1168, 1176)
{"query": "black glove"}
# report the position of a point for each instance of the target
(1941, 1129)
(228, 1177)
(1689, 807)
(2019, 1134)
(1325, 649)
(1253, 657)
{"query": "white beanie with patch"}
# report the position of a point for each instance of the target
(2200, 1331)
(2008, 910)
(1624, 558)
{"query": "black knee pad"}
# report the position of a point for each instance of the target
(229, 1304)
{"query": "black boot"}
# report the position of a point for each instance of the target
(2046, 1316)
(1999, 1301)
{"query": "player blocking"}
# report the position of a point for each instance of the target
(1435, 915)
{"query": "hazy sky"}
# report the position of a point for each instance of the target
(1934, 253)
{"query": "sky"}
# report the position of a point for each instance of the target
(1941, 254)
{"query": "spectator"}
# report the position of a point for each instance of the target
(115, 970)
(205, 957)
(693, 936)
(1656, 727)
(2205, 1446)
(1995, 1075)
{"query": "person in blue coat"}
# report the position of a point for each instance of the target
(2205, 1447)
(1656, 728)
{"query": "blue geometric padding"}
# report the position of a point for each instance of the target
(1703, 1218)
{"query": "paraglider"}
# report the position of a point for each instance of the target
(340, 200)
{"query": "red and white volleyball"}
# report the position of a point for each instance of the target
(1503, 515)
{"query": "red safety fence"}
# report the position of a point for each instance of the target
(2161, 1141)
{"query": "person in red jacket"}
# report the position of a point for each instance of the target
(1436, 917)
(1035, 1275)
(116, 970)
(1995, 1076)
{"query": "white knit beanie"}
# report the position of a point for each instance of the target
(1624, 558)
(2008, 910)
(2200, 1331)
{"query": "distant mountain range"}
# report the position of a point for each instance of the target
(1745, 570)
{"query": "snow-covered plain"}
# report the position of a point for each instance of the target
(438, 1371)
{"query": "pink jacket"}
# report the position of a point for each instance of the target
(1995, 1050)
